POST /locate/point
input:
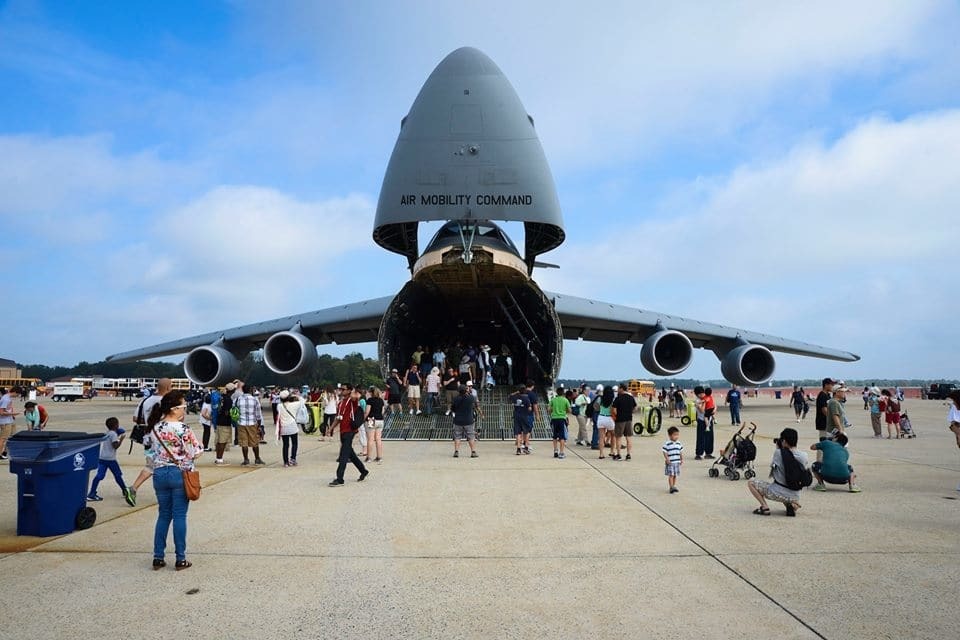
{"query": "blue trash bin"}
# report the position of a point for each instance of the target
(53, 470)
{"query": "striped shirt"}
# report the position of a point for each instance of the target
(672, 450)
(249, 410)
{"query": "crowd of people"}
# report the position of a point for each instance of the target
(603, 418)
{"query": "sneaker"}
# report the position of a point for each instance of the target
(363, 475)
(293, 462)
(674, 490)
(419, 412)
(378, 460)
(529, 449)
(526, 450)
(854, 489)
(411, 411)
(94, 498)
(456, 454)
(245, 463)
(473, 454)
(130, 495)
(820, 487)
(221, 462)
(448, 412)
(259, 461)
(335, 483)
(594, 448)
(519, 452)
(698, 458)
(556, 454)
(628, 457)
(286, 464)
(562, 456)
(708, 457)
(3, 456)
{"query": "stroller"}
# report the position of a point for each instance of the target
(739, 453)
(906, 428)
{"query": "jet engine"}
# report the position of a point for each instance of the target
(748, 365)
(289, 353)
(666, 353)
(211, 366)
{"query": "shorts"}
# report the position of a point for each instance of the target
(224, 434)
(6, 430)
(605, 422)
(559, 428)
(678, 405)
(893, 418)
(816, 466)
(373, 425)
(248, 435)
(623, 429)
(413, 392)
(773, 491)
(450, 395)
(521, 425)
(464, 432)
(671, 469)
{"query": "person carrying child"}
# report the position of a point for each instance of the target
(672, 458)
(108, 461)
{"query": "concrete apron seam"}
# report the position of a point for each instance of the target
(348, 556)
(706, 551)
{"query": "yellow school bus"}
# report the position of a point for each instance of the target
(642, 388)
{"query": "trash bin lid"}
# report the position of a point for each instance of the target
(45, 436)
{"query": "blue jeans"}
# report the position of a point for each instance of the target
(431, 401)
(735, 413)
(595, 440)
(171, 505)
(114, 467)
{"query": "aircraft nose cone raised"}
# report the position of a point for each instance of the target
(467, 61)
(467, 150)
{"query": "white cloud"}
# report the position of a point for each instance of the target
(834, 244)
(621, 79)
(60, 177)
(239, 254)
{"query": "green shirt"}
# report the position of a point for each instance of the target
(559, 407)
(835, 458)
(834, 408)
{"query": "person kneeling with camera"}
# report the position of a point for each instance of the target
(790, 471)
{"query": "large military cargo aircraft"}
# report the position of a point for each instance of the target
(468, 155)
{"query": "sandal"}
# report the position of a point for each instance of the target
(158, 563)
(761, 511)
(183, 564)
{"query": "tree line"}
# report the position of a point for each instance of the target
(328, 370)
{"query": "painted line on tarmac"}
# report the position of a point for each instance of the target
(706, 551)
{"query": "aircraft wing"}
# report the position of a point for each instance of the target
(345, 324)
(597, 321)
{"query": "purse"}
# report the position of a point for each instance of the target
(191, 479)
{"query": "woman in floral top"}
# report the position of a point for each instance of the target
(175, 447)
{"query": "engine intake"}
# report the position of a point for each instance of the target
(211, 366)
(748, 365)
(289, 353)
(666, 353)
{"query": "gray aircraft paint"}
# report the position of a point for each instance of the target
(467, 150)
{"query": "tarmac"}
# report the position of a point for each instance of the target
(506, 546)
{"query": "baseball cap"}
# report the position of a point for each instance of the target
(393, 371)
(469, 383)
(230, 386)
(284, 394)
(827, 381)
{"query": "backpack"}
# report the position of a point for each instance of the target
(235, 414)
(796, 475)
(139, 429)
(356, 421)
(591, 410)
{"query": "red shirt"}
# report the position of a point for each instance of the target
(345, 409)
(709, 403)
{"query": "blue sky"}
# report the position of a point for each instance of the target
(175, 168)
